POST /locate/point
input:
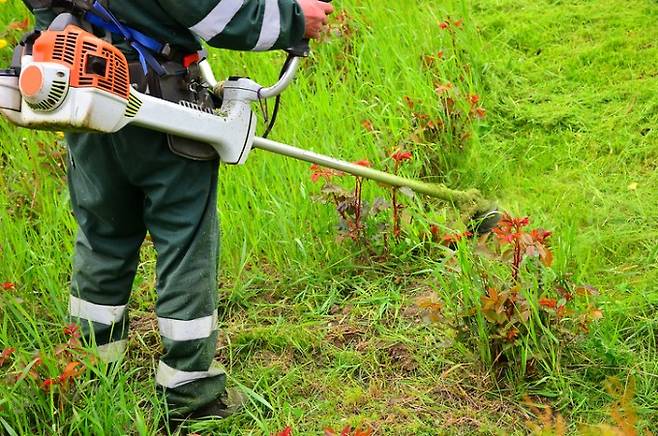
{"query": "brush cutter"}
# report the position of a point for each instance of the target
(68, 79)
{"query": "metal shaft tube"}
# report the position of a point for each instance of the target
(433, 190)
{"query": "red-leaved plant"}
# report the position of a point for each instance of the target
(399, 157)
(36, 374)
(511, 231)
(352, 209)
(514, 302)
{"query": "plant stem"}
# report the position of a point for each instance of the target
(396, 210)
(357, 201)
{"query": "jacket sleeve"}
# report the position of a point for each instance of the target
(256, 25)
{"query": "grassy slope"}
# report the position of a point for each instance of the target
(568, 87)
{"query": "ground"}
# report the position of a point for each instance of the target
(321, 333)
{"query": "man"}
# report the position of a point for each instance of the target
(125, 184)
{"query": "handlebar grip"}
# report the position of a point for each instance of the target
(302, 49)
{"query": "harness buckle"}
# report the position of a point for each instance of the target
(166, 50)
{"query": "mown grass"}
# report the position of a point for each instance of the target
(317, 335)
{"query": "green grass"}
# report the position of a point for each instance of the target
(319, 336)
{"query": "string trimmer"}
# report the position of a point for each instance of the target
(66, 78)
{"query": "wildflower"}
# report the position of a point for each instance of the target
(444, 25)
(439, 54)
(459, 23)
(410, 103)
(480, 112)
(8, 286)
(3, 43)
(362, 163)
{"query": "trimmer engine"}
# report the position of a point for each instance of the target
(73, 58)
(70, 79)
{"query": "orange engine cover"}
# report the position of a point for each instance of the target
(94, 63)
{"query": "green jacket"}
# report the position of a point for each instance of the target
(234, 24)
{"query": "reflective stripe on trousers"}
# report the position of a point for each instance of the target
(99, 313)
(172, 378)
(180, 330)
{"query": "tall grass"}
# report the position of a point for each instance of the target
(320, 338)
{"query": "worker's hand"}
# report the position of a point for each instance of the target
(315, 16)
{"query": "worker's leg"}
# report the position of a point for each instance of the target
(180, 213)
(109, 212)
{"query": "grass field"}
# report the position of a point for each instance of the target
(321, 333)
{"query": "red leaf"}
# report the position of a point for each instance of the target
(540, 235)
(596, 313)
(285, 432)
(400, 156)
(561, 311)
(441, 89)
(366, 432)
(512, 334)
(509, 229)
(4, 356)
(323, 173)
(19, 25)
(71, 371)
(72, 330)
(474, 99)
(549, 303)
(454, 238)
(48, 384)
(428, 60)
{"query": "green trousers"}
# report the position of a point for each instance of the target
(123, 185)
